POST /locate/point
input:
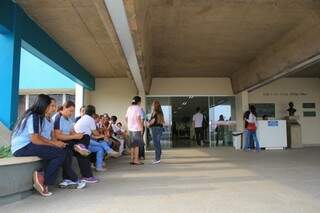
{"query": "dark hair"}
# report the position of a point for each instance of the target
(136, 100)
(119, 123)
(90, 110)
(69, 104)
(83, 107)
(39, 107)
(252, 109)
(114, 118)
(60, 108)
(95, 116)
(198, 109)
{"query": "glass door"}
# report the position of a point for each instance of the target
(222, 120)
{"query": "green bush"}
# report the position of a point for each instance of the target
(5, 151)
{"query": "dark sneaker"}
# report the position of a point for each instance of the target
(90, 179)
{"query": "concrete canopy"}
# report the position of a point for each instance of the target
(221, 38)
(250, 41)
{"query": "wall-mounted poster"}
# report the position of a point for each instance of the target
(267, 109)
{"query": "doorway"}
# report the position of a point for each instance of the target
(219, 120)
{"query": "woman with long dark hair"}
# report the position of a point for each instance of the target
(27, 141)
(156, 125)
(252, 128)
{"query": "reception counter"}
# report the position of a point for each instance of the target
(272, 134)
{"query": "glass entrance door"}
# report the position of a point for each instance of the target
(222, 120)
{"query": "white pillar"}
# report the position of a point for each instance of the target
(27, 101)
(79, 99)
(242, 105)
(64, 98)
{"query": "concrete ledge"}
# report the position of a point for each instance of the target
(16, 177)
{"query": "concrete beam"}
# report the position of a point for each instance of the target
(120, 22)
(106, 20)
(138, 14)
(299, 48)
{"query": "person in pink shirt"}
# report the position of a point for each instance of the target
(135, 128)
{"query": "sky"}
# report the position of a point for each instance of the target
(36, 74)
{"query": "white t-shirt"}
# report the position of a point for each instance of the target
(198, 119)
(85, 125)
(133, 114)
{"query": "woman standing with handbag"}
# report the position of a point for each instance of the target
(252, 128)
(156, 125)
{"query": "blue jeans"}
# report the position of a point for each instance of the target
(156, 136)
(97, 148)
(246, 139)
(255, 139)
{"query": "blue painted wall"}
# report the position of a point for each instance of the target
(33, 70)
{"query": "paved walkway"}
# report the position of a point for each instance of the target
(196, 180)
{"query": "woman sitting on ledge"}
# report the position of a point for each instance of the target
(27, 141)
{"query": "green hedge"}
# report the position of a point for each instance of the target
(5, 151)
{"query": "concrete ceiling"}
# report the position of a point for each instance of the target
(249, 41)
(202, 38)
(83, 28)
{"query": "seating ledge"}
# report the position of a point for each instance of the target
(18, 160)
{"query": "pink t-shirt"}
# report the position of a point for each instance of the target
(134, 115)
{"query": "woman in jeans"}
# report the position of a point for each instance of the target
(251, 128)
(156, 125)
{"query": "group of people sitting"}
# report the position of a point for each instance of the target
(54, 136)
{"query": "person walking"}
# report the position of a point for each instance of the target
(156, 125)
(197, 123)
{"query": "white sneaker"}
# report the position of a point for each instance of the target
(156, 162)
(81, 184)
(114, 154)
(67, 184)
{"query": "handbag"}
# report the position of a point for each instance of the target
(251, 127)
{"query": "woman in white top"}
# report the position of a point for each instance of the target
(252, 127)
(135, 127)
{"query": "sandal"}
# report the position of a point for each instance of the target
(138, 163)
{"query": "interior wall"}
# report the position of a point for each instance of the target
(112, 96)
(191, 86)
(299, 91)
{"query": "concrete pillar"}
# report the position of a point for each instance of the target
(10, 46)
(27, 101)
(64, 98)
(79, 98)
(242, 105)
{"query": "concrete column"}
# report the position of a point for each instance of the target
(79, 98)
(64, 98)
(27, 102)
(10, 43)
(242, 105)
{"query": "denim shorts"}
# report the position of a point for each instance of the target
(135, 139)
